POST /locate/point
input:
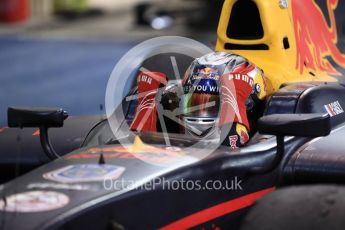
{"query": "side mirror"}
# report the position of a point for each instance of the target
(281, 125)
(22, 117)
(302, 125)
(43, 118)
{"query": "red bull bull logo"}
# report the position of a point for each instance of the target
(316, 40)
(206, 73)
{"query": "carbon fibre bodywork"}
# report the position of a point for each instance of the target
(152, 205)
(90, 204)
(20, 149)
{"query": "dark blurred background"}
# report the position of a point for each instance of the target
(61, 52)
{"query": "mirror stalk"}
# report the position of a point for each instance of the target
(281, 125)
(44, 118)
(276, 161)
(46, 145)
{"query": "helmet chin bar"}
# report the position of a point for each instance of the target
(201, 127)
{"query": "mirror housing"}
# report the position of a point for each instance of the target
(281, 125)
(26, 117)
(43, 118)
(301, 125)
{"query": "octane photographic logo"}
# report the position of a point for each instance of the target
(122, 80)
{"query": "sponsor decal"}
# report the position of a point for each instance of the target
(206, 73)
(316, 45)
(145, 78)
(85, 173)
(233, 141)
(207, 88)
(244, 137)
(34, 201)
(76, 187)
(241, 131)
(242, 77)
(334, 108)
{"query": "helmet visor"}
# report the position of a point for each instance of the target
(201, 91)
(200, 105)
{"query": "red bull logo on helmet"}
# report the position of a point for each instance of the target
(206, 73)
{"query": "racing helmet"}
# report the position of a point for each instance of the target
(200, 103)
(202, 86)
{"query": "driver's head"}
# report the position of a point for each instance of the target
(201, 100)
(216, 88)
